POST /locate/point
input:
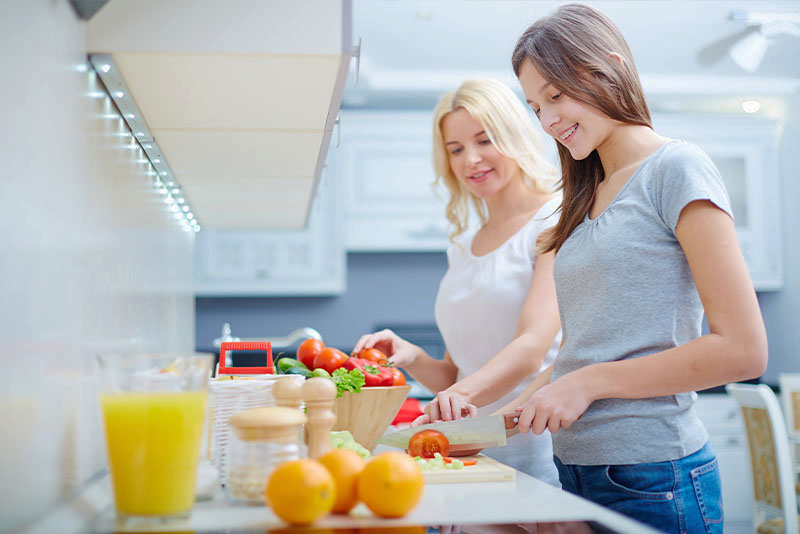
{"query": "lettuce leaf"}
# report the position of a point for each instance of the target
(346, 380)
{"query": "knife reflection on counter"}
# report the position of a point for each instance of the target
(466, 436)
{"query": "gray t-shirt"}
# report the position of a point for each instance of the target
(625, 290)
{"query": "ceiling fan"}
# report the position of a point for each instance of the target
(748, 46)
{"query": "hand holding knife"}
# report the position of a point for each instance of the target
(449, 405)
(470, 434)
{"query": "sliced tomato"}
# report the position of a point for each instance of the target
(449, 460)
(428, 442)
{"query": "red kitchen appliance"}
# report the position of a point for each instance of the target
(226, 346)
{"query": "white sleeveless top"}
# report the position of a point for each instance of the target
(477, 310)
(480, 298)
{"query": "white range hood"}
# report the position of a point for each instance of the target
(241, 96)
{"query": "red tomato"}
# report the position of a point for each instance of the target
(373, 355)
(308, 350)
(399, 377)
(330, 359)
(428, 442)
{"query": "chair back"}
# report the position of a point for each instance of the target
(790, 395)
(770, 456)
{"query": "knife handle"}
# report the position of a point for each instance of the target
(511, 420)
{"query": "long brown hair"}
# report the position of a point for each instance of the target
(508, 125)
(572, 49)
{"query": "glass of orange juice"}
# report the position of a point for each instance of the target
(153, 409)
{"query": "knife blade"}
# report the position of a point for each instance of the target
(476, 432)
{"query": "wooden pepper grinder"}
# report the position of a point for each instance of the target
(288, 392)
(319, 394)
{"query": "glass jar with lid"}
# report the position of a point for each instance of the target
(262, 439)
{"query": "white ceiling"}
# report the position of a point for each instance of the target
(414, 50)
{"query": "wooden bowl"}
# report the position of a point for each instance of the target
(367, 414)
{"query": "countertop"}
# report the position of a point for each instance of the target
(524, 500)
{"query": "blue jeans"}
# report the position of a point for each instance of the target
(677, 497)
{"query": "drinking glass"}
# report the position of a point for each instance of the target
(153, 409)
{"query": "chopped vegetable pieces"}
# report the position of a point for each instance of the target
(439, 463)
(343, 439)
(450, 459)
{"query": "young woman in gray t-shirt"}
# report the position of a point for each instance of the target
(645, 244)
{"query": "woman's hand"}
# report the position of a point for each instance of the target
(456, 405)
(423, 419)
(450, 406)
(556, 405)
(434, 374)
(399, 351)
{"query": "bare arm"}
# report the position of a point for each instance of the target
(734, 349)
(434, 374)
(538, 325)
(541, 380)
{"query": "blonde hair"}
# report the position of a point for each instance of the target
(508, 126)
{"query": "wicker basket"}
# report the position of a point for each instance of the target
(235, 389)
(230, 396)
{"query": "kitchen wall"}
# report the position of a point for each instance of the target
(381, 289)
(91, 260)
(781, 309)
(401, 288)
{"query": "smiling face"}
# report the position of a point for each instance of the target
(473, 158)
(580, 128)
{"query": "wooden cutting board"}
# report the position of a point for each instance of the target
(486, 470)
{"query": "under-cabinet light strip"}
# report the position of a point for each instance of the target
(165, 181)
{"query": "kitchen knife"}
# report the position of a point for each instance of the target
(463, 434)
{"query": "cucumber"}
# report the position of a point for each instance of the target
(284, 364)
(298, 371)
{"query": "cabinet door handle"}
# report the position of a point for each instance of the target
(732, 441)
(357, 54)
(338, 124)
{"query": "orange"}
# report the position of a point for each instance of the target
(300, 491)
(391, 484)
(345, 466)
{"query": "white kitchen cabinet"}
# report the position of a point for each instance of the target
(745, 151)
(276, 263)
(236, 100)
(386, 162)
(723, 420)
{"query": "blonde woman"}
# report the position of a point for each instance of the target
(496, 306)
